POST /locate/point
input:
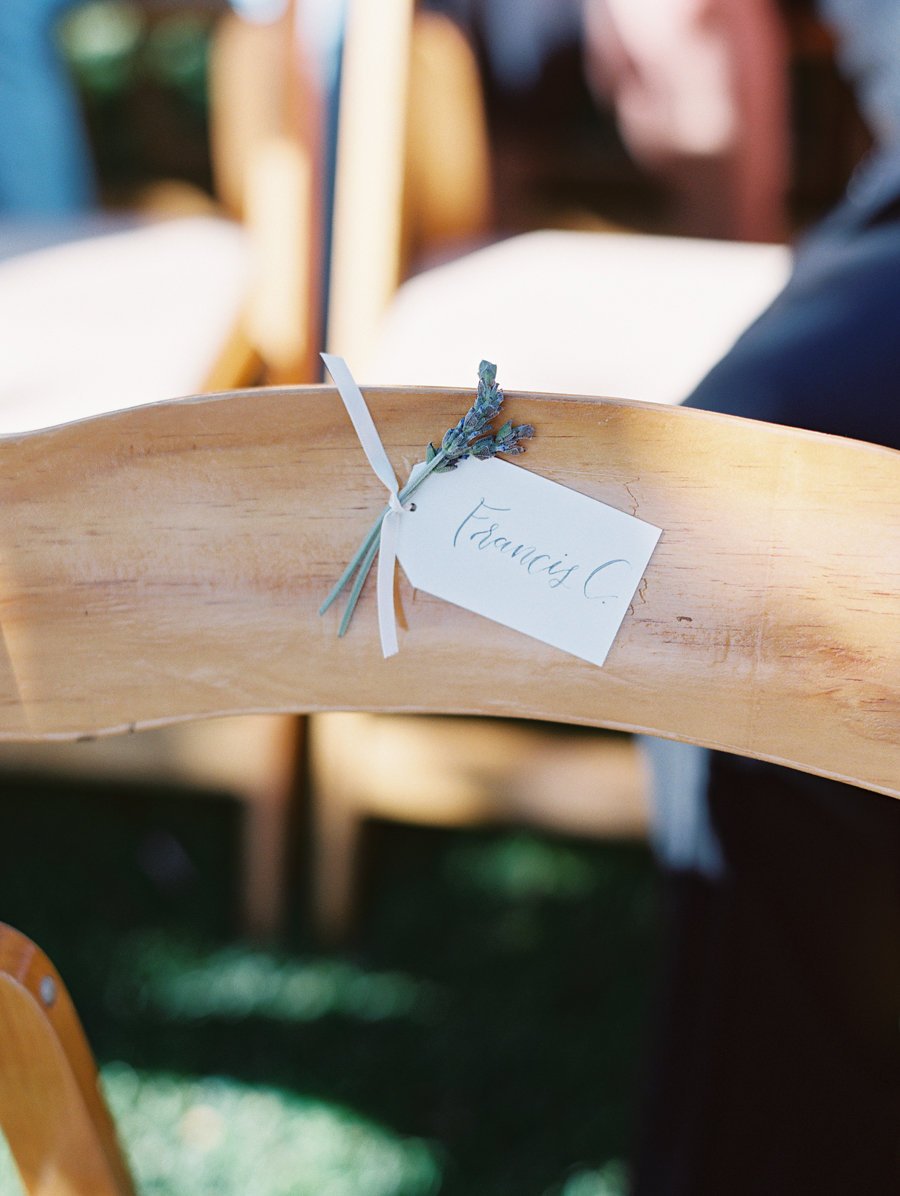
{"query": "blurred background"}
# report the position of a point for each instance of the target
(430, 974)
(140, 70)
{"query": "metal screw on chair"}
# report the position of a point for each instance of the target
(47, 990)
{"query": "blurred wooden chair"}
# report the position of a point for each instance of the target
(451, 772)
(234, 294)
(585, 312)
(189, 287)
(767, 624)
(187, 295)
(557, 309)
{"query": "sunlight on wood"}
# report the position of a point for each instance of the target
(175, 557)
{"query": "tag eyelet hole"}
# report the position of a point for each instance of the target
(411, 507)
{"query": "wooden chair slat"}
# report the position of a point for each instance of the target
(168, 562)
(52, 1112)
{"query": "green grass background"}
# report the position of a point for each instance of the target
(481, 1036)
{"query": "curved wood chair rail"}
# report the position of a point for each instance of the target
(51, 1109)
(167, 563)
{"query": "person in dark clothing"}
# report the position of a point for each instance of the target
(776, 1068)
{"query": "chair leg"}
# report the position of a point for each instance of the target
(52, 1111)
(336, 831)
(270, 809)
(338, 835)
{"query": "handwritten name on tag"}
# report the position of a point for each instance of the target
(526, 552)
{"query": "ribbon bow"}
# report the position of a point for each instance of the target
(473, 436)
(362, 421)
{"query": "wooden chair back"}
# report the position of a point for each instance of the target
(52, 1112)
(167, 563)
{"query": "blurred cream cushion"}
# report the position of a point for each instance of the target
(113, 315)
(622, 315)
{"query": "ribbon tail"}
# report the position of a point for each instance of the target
(387, 561)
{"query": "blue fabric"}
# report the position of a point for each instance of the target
(868, 33)
(681, 833)
(45, 162)
(824, 355)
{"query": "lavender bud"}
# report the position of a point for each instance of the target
(487, 373)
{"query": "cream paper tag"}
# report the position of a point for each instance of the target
(526, 552)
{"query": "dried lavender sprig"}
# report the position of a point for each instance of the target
(505, 441)
(372, 535)
(362, 573)
(473, 425)
(365, 554)
(488, 400)
(472, 436)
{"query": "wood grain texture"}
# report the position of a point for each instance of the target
(51, 1109)
(168, 562)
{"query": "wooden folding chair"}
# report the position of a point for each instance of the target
(52, 1111)
(562, 310)
(203, 304)
(268, 238)
(167, 563)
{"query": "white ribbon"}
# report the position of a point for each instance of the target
(390, 525)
